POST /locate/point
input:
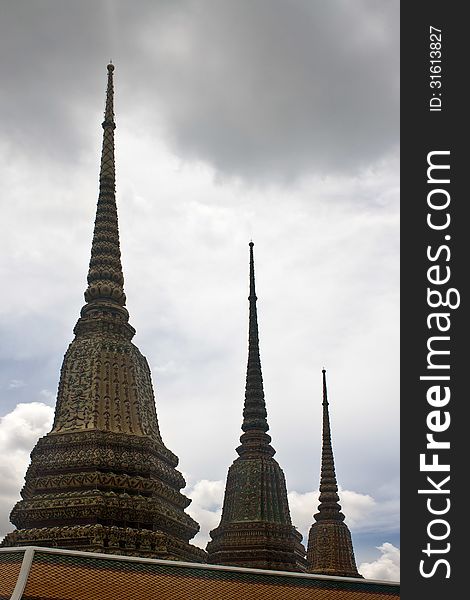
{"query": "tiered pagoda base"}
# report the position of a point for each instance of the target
(330, 549)
(255, 529)
(76, 497)
(258, 546)
(108, 540)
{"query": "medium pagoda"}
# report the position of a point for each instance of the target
(330, 549)
(102, 480)
(255, 528)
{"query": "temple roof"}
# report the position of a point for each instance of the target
(48, 574)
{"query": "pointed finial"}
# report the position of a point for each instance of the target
(252, 296)
(325, 391)
(109, 108)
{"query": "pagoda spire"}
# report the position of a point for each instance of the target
(105, 277)
(255, 528)
(330, 550)
(255, 422)
(102, 480)
(329, 507)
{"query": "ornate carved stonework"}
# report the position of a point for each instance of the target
(330, 549)
(105, 384)
(256, 529)
(109, 540)
(102, 479)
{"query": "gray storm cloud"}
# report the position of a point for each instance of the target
(262, 90)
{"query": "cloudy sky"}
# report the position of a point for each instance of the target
(274, 120)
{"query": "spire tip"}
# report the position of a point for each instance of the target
(110, 66)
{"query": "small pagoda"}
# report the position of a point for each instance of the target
(330, 549)
(255, 528)
(102, 480)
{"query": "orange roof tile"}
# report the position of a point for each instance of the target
(68, 575)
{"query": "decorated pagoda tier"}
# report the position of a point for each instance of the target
(102, 480)
(330, 549)
(256, 529)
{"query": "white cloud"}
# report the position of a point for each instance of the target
(206, 507)
(15, 384)
(387, 566)
(302, 507)
(208, 494)
(48, 396)
(358, 509)
(20, 428)
(19, 431)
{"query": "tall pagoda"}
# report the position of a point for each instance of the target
(330, 549)
(102, 480)
(255, 528)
